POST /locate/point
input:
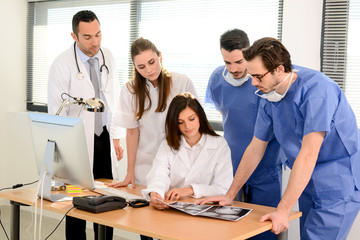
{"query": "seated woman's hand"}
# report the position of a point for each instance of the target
(154, 201)
(222, 200)
(176, 193)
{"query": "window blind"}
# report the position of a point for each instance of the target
(340, 48)
(334, 40)
(187, 33)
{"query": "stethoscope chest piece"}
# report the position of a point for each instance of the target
(80, 75)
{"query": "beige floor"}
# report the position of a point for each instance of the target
(50, 221)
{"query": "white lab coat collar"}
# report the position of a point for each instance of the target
(204, 153)
(201, 142)
(204, 139)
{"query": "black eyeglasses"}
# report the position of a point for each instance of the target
(259, 77)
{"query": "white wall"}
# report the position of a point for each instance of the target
(13, 84)
(302, 31)
(301, 35)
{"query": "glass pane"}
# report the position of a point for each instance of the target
(51, 36)
(352, 85)
(186, 31)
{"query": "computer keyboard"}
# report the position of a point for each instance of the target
(116, 192)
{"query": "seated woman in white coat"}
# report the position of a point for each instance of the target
(192, 161)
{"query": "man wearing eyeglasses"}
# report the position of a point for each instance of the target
(316, 127)
(230, 90)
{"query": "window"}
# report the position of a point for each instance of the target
(185, 31)
(340, 48)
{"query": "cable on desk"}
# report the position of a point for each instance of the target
(18, 185)
(59, 222)
(40, 184)
(4, 230)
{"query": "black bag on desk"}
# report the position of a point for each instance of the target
(98, 204)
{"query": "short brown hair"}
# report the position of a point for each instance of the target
(178, 104)
(272, 53)
(234, 39)
(83, 16)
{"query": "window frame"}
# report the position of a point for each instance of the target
(333, 50)
(135, 7)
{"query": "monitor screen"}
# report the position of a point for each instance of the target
(60, 149)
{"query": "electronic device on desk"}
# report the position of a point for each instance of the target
(61, 153)
(98, 204)
(133, 200)
(109, 191)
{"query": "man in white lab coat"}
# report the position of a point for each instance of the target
(70, 74)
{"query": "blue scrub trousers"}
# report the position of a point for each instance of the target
(328, 220)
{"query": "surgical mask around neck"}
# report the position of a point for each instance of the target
(273, 96)
(235, 82)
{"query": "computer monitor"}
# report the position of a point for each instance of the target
(61, 152)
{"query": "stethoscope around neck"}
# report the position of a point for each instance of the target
(80, 75)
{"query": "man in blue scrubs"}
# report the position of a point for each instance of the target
(230, 90)
(316, 127)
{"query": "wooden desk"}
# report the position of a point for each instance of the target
(169, 224)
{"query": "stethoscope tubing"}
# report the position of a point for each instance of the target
(80, 75)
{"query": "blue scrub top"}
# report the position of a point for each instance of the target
(239, 107)
(315, 103)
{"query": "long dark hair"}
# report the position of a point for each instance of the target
(138, 84)
(178, 104)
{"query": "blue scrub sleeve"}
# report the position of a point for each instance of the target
(264, 123)
(316, 102)
(208, 95)
(209, 101)
(318, 114)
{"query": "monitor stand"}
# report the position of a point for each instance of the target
(47, 168)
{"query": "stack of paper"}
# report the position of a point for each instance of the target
(72, 190)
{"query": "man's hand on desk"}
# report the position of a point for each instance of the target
(129, 179)
(155, 201)
(221, 199)
(279, 220)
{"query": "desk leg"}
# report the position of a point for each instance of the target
(15, 221)
(101, 232)
(283, 235)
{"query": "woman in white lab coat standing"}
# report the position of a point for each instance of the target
(192, 161)
(143, 106)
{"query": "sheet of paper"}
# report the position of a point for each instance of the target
(229, 213)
